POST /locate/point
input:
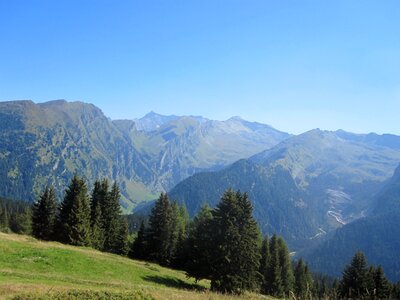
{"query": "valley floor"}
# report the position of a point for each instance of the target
(43, 270)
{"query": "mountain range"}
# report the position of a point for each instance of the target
(328, 193)
(304, 187)
(47, 143)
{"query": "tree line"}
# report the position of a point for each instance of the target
(223, 245)
(80, 219)
(15, 216)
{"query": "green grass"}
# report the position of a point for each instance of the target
(31, 269)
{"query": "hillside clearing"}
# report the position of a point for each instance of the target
(46, 269)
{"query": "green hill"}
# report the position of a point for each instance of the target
(31, 268)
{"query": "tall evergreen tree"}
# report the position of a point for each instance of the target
(160, 228)
(250, 241)
(98, 199)
(264, 263)
(44, 213)
(180, 253)
(354, 283)
(97, 228)
(138, 249)
(381, 286)
(286, 267)
(236, 260)
(303, 282)
(121, 244)
(273, 278)
(111, 215)
(74, 216)
(200, 245)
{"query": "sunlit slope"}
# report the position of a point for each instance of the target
(28, 266)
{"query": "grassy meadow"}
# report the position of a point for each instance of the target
(32, 269)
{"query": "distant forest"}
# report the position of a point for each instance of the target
(223, 245)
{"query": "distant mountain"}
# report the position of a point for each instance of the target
(337, 170)
(375, 235)
(152, 121)
(183, 146)
(46, 143)
(303, 187)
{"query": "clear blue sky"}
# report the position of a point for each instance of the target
(295, 65)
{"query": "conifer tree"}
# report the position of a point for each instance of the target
(176, 228)
(303, 281)
(98, 201)
(273, 278)
(286, 267)
(111, 214)
(236, 260)
(160, 228)
(180, 256)
(74, 216)
(250, 243)
(97, 228)
(44, 213)
(354, 283)
(200, 245)
(121, 244)
(138, 248)
(264, 263)
(381, 286)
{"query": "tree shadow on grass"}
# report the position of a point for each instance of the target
(173, 282)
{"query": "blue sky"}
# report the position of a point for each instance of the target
(295, 65)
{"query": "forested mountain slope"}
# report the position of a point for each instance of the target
(305, 186)
(375, 235)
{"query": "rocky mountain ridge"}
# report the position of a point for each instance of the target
(46, 143)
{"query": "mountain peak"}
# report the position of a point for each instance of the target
(235, 118)
(152, 114)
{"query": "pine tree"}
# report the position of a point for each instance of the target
(74, 216)
(395, 293)
(264, 262)
(354, 283)
(44, 213)
(273, 279)
(381, 286)
(98, 200)
(138, 249)
(97, 228)
(176, 228)
(303, 281)
(236, 260)
(160, 228)
(121, 244)
(286, 267)
(180, 256)
(250, 243)
(111, 214)
(200, 245)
